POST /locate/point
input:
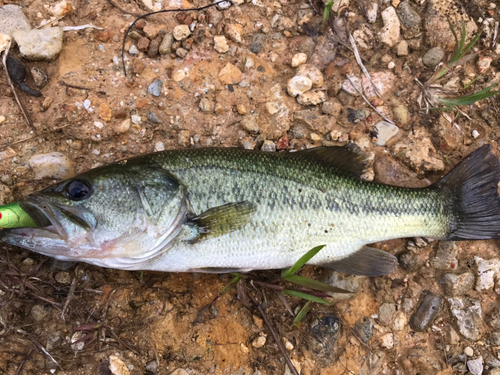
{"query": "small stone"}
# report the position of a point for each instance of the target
(364, 329)
(234, 32)
(391, 30)
(399, 322)
(458, 285)
(446, 256)
(206, 105)
(311, 72)
(152, 366)
(259, 342)
(475, 134)
(298, 85)
(495, 337)
(52, 165)
(143, 44)
(39, 312)
(2, 119)
(333, 108)
(433, 57)
(385, 131)
(257, 43)
(220, 44)
(180, 74)
(387, 341)
(371, 12)
(483, 64)
(122, 127)
(468, 316)
(408, 15)
(40, 78)
(155, 87)
(468, 351)
(40, 44)
(136, 119)
(61, 9)
(249, 123)
(154, 47)
(117, 366)
(230, 75)
(183, 138)
(386, 312)
(12, 19)
(312, 98)
(180, 371)
(268, 146)
(244, 348)
(288, 344)
(475, 366)
(298, 59)
(315, 137)
(402, 48)
(133, 51)
(282, 143)
(166, 44)
(159, 146)
(63, 278)
(47, 102)
(105, 112)
(452, 337)
(242, 110)
(181, 32)
(152, 117)
(400, 114)
(248, 143)
(181, 52)
(426, 312)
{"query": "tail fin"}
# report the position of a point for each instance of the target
(473, 187)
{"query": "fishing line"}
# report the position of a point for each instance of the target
(158, 12)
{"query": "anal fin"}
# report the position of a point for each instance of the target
(221, 220)
(368, 261)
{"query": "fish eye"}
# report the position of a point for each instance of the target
(78, 190)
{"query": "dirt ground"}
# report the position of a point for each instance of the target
(60, 318)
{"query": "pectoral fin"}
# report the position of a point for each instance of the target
(221, 220)
(368, 261)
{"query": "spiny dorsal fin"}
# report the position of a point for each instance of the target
(368, 261)
(349, 158)
(220, 220)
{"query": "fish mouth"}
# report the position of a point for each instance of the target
(57, 218)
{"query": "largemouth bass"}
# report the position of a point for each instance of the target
(222, 210)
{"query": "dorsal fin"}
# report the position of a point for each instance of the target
(349, 158)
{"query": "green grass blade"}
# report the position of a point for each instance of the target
(233, 282)
(307, 297)
(313, 284)
(302, 261)
(456, 50)
(472, 42)
(469, 99)
(302, 313)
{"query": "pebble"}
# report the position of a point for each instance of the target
(181, 32)
(298, 85)
(63, 278)
(242, 110)
(257, 43)
(385, 131)
(333, 108)
(391, 30)
(40, 78)
(230, 75)
(136, 119)
(105, 112)
(47, 102)
(234, 31)
(52, 165)
(159, 146)
(248, 143)
(468, 316)
(387, 341)
(288, 345)
(468, 351)
(249, 123)
(408, 15)
(493, 319)
(152, 117)
(487, 271)
(181, 52)
(446, 256)
(298, 59)
(244, 348)
(312, 98)
(154, 47)
(475, 366)
(483, 63)
(399, 322)
(117, 366)
(402, 48)
(220, 44)
(386, 313)
(12, 19)
(410, 261)
(39, 313)
(155, 87)
(433, 57)
(206, 105)
(426, 312)
(458, 285)
(268, 146)
(495, 337)
(152, 366)
(364, 329)
(40, 44)
(166, 44)
(180, 74)
(180, 371)
(133, 51)
(311, 72)
(259, 342)
(122, 127)
(371, 12)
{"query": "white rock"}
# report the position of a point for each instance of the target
(117, 366)
(295, 364)
(363, 37)
(487, 272)
(180, 74)
(391, 30)
(181, 32)
(220, 44)
(159, 146)
(387, 341)
(180, 371)
(40, 44)
(311, 72)
(348, 87)
(61, 9)
(391, 65)
(5, 39)
(468, 351)
(475, 134)
(475, 366)
(298, 59)
(259, 342)
(371, 12)
(12, 19)
(298, 85)
(311, 98)
(136, 119)
(133, 50)
(52, 165)
(400, 322)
